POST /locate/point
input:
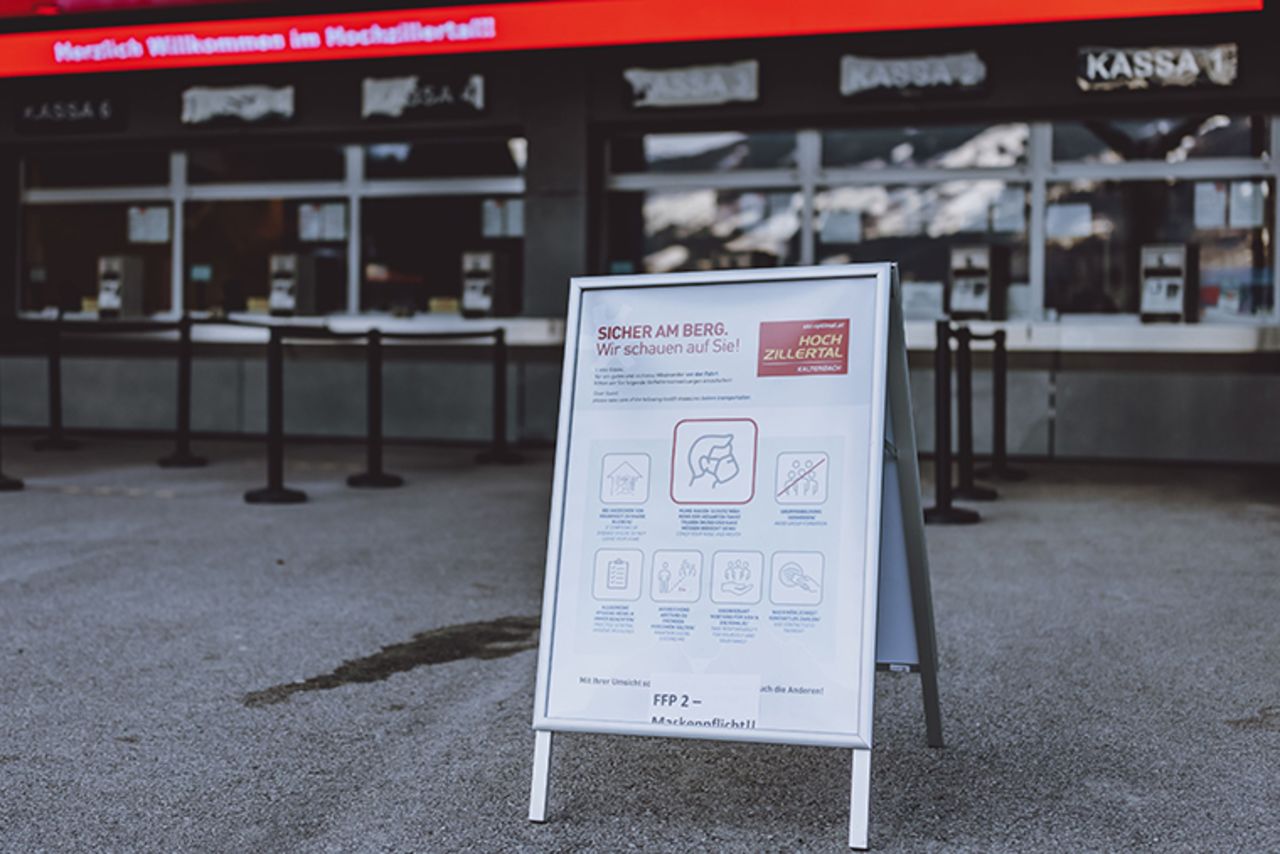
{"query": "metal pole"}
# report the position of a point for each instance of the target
(499, 451)
(182, 456)
(943, 513)
(7, 484)
(275, 492)
(374, 477)
(999, 468)
(964, 406)
(56, 440)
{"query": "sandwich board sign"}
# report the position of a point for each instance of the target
(736, 538)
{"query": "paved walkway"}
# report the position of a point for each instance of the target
(180, 671)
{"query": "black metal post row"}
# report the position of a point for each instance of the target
(275, 492)
(966, 488)
(944, 512)
(374, 477)
(1000, 468)
(7, 484)
(499, 451)
(55, 439)
(182, 456)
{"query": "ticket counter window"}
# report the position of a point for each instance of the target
(413, 247)
(918, 225)
(229, 246)
(664, 231)
(1097, 231)
(63, 245)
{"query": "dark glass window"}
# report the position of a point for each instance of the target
(917, 225)
(229, 245)
(412, 247)
(1097, 229)
(934, 146)
(450, 158)
(62, 245)
(91, 168)
(1169, 139)
(265, 163)
(726, 151)
(667, 230)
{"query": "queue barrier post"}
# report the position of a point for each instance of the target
(7, 484)
(499, 450)
(374, 477)
(943, 512)
(275, 492)
(1000, 468)
(966, 488)
(182, 456)
(56, 439)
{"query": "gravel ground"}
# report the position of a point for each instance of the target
(172, 672)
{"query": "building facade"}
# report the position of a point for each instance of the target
(1117, 179)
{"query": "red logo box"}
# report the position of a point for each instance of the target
(803, 348)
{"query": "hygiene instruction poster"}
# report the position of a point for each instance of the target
(714, 547)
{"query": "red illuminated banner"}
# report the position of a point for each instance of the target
(529, 26)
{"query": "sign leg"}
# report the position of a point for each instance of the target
(860, 800)
(541, 776)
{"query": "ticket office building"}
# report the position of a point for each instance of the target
(1087, 163)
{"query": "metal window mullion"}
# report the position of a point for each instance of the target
(178, 235)
(1038, 161)
(479, 186)
(265, 192)
(1159, 170)
(94, 195)
(907, 175)
(355, 180)
(746, 179)
(808, 162)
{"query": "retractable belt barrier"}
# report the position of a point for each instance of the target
(943, 511)
(275, 492)
(999, 468)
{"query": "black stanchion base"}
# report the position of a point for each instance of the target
(271, 495)
(950, 516)
(375, 480)
(976, 493)
(9, 484)
(181, 461)
(1009, 475)
(505, 457)
(55, 443)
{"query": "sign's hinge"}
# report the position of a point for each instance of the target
(890, 450)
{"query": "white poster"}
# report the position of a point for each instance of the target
(715, 535)
(492, 222)
(1247, 198)
(1009, 211)
(310, 226)
(1069, 221)
(1210, 204)
(333, 221)
(149, 224)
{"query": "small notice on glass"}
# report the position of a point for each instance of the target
(148, 224)
(1211, 205)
